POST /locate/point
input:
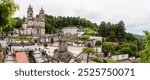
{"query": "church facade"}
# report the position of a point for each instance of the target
(33, 26)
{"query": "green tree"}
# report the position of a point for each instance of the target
(90, 31)
(102, 30)
(88, 51)
(129, 37)
(120, 31)
(84, 38)
(111, 32)
(112, 36)
(98, 43)
(18, 23)
(7, 10)
(127, 48)
(145, 54)
(140, 44)
(108, 47)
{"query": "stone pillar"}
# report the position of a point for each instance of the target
(62, 46)
(62, 43)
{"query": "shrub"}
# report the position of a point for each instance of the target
(97, 60)
(45, 45)
(110, 60)
(98, 43)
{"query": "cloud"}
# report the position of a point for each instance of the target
(135, 13)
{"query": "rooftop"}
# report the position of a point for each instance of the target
(21, 57)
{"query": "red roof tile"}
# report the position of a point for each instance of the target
(21, 57)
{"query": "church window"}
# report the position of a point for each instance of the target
(30, 14)
(38, 31)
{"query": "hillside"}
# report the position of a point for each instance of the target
(52, 23)
(139, 36)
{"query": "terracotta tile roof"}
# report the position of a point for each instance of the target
(21, 57)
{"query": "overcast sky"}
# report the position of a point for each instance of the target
(135, 13)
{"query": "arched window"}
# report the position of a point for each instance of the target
(38, 31)
(30, 14)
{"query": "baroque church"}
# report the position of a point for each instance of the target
(33, 26)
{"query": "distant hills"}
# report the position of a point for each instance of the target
(139, 36)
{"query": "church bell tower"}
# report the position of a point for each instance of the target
(30, 12)
(42, 15)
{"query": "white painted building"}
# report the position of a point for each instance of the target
(3, 43)
(73, 31)
(96, 38)
(70, 30)
(80, 32)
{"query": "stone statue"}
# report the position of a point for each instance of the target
(62, 55)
